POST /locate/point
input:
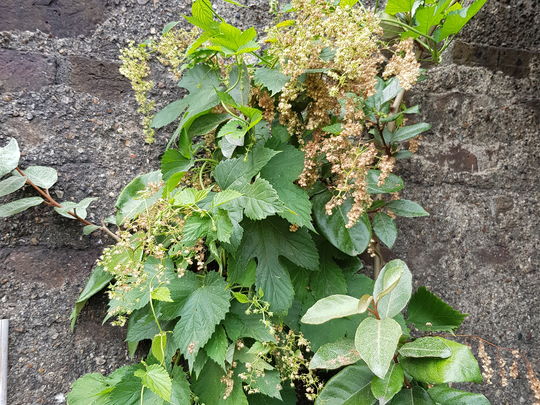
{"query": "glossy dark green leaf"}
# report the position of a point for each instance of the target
(351, 386)
(392, 183)
(385, 228)
(450, 396)
(385, 388)
(410, 131)
(352, 241)
(406, 208)
(412, 396)
(461, 366)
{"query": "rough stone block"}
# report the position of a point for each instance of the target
(97, 77)
(61, 18)
(25, 71)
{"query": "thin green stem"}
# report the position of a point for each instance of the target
(403, 25)
(142, 395)
(154, 314)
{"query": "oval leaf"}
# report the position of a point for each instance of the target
(461, 366)
(406, 208)
(335, 355)
(376, 341)
(17, 206)
(332, 307)
(350, 386)
(425, 347)
(385, 229)
(393, 296)
(451, 396)
(129, 203)
(11, 184)
(352, 241)
(42, 176)
(9, 157)
(384, 389)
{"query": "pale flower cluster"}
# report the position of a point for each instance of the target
(403, 64)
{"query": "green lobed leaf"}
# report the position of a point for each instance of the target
(406, 208)
(173, 162)
(332, 307)
(281, 171)
(268, 384)
(351, 386)
(128, 391)
(156, 378)
(429, 313)
(376, 341)
(267, 241)
(42, 176)
(238, 325)
(412, 396)
(451, 396)
(331, 356)
(14, 207)
(11, 184)
(259, 200)
(9, 157)
(385, 228)
(90, 389)
(180, 289)
(272, 79)
(169, 113)
(461, 366)
(425, 347)
(130, 204)
(217, 346)
(161, 294)
(239, 171)
(352, 241)
(384, 389)
(204, 309)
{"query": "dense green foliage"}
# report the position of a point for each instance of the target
(240, 256)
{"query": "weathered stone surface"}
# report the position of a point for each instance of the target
(61, 18)
(25, 70)
(476, 173)
(513, 62)
(97, 77)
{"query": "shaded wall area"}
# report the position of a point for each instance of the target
(63, 99)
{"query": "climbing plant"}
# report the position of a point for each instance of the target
(238, 266)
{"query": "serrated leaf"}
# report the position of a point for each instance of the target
(413, 396)
(272, 79)
(234, 131)
(171, 112)
(259, 200)
(331, 356)
(385, 388)
(394, 273)
(385, 229)
(11, 184)
(173, 162)
(161, 294)
(90, 389)
(429, 313)
(351, 386)
(267, 241)
(410, 131)
(180, 289)
(206, 123)
(332, 307)
(451, 396)
(268, 384)
(352, 241)
(14, 207)
(217, 346)
(205, 308)
(376, 341)
(76, 208)
(461, 366)
(128, 392)
(406, 208)
(130, 203)
(281, 171)
(42, 176)
(9, 157)
(239, 171)
(223, 197)
(425, 347)
(156, 378)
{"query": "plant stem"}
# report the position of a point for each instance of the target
(53, 203)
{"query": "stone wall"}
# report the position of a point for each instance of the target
(62, 98)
